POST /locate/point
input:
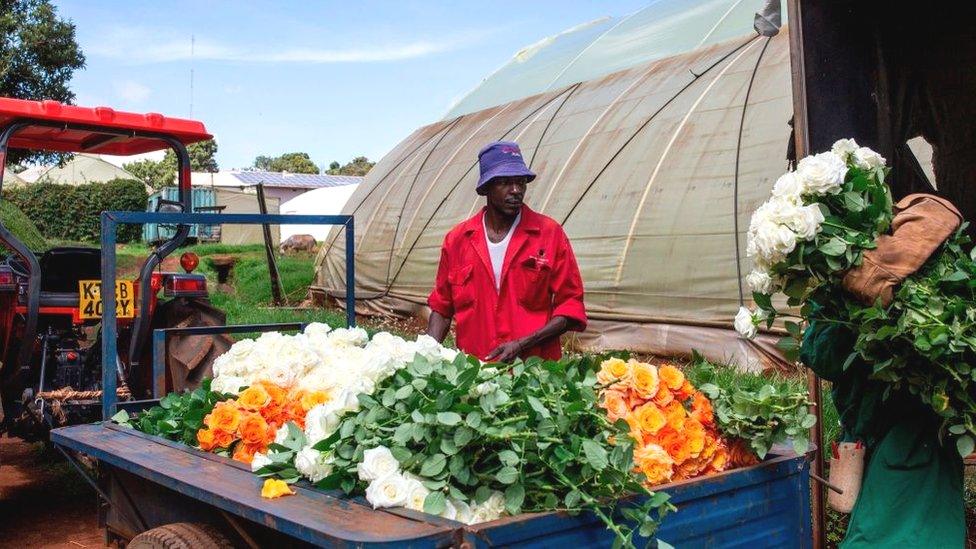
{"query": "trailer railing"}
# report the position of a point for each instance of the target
(110, 224)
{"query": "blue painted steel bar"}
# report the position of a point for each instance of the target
(110, 223)
(159, 363)
(110, 329)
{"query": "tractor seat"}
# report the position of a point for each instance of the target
(62, 269)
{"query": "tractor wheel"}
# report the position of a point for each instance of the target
(181, 535)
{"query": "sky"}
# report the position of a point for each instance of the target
(333, 79)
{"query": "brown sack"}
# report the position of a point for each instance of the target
(921, 224)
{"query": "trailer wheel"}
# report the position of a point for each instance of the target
(181, 535)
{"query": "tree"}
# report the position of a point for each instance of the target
(159, 174)
(358, 166)
(296, 162)
(38, 56)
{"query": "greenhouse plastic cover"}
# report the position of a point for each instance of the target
(662, 29)
(653, 171)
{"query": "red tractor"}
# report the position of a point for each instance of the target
(50, 304)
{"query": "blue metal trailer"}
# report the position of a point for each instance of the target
(148, 482)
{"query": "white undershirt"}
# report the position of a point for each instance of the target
(497, 251)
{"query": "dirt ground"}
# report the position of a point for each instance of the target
(43, 501)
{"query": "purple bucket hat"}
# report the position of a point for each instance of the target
(501, 159)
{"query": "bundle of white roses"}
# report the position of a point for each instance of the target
(814, 226)
(923, 342)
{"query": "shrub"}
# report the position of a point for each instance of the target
(72, 212)
(16, 222)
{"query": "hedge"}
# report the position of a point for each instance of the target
(72, 212)
(16, 222)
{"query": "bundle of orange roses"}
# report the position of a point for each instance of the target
(246, 425)
(671, 422)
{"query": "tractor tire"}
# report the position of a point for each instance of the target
(181, 535)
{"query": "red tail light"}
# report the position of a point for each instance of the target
(189, 261)
(186, 285)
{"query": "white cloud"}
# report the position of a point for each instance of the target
(119, 160)
(142, 46)
(131, 91)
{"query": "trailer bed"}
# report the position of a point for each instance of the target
(150, 481)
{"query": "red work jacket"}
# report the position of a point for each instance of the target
(540, 279)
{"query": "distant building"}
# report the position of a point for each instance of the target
(281, 185)
(83, 169)
(324, 201)
(10, 179)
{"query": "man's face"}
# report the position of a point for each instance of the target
(505, 194)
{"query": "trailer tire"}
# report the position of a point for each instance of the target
(181, 535)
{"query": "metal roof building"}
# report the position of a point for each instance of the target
(281, 185)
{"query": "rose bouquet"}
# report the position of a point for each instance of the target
(469, 442)
(671, 423)
(816, 226)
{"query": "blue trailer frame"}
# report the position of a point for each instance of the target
(110, 224)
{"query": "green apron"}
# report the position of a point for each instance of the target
(912, 493)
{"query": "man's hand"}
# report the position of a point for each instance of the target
(506, 352)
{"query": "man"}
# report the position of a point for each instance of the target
(508, 274)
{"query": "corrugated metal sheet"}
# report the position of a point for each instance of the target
(295, 180)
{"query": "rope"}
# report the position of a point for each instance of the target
(57, 398)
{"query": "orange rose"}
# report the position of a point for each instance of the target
(278, 394)
(741, 455)
(686, 391)
(701, 409)
(254, 397)
(293, 411)
(245, 452)
(676, 415)
(313, 398)
(615, 403)
(650, 418)
(695, 435)
(254, 430)
(644, 379)
(612, 370)
(224, 417)
(223, 439)
(655, 463)
(663, 396)
(206, 439)
(720, 461)
(672, 376)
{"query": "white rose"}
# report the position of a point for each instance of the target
(844, 147)
(462, 511)
(429, 348)
(320, 422)
(450, 511)
(356, 337)
(822, 173)
(228, 384)
(773, 242)
(806, 221)
(389, 491)
(377, 462)
(491, 509)
(317, 329)
(760, 281)
(484, 388)
(281, 434)
(788, 187)
(416, 494)
(448, 355)
(260, 460)
(745, 324)
(312, 464)
(867, 159)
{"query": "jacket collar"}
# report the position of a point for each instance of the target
(474, 229)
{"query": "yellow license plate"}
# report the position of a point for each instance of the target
(90, 299)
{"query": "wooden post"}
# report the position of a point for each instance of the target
(277, 298)
(801, 131)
